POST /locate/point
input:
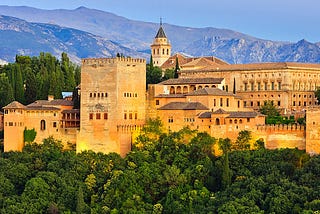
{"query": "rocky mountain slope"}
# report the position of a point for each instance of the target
(107, 31)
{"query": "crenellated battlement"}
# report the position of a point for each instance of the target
(281, 127)
(108, 61)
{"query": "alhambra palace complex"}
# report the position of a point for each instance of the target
(209, 95)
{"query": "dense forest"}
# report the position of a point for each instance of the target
(176, 172)
(34, 78)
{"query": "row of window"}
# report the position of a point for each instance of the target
(129, 94)
(221, 102)
(98, 116)
(12, 111)
(42, 124)
(164, 51)
(98, 94)
(217, 121)
(251, 103)
(130, 116)
(263, 86)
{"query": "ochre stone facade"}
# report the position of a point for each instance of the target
(113, 103)
(209, 95)
(47, 117)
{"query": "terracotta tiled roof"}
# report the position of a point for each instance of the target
(183, 60)
(257, 66)
(210, 91)
(170, 95)
(184, 106)
(181, 81)
(47, 108)
(72, 111)
(243, 114)
(57, 102)
(220, 111)
(205, 115)
(199, 62)
(14, 104)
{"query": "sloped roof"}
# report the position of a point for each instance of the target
(205, 115)
(47, 108)
(258, 66)
(183, 60)
(56, 102)
(161, 33)
(199, 62)
(72, 111)
(170, 95)
(187, 81)
(220, 111)
(14, 104)
(184, 106)
(210, 91)
(243, 114)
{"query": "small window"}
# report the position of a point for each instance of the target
(98, 116)
(90, 116)
(157, 102)
(130, 116)
(54, 124)
(90, 95)
(125, 116)
(105, 116)
(106, 94)
(42, 125)
(135, 115)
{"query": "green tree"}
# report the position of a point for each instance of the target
(6, 92)
(243, 140)
(29, 135)
(31, 87)
(317, 94)
(154, 75)
(225, 146)
(176, 69)
(19, 88)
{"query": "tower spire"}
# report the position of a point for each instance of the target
(160, 21)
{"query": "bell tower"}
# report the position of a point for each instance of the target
(160, 48)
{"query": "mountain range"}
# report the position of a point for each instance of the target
(85, 32)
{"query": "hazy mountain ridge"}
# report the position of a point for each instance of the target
(135, 37)
(20, 37)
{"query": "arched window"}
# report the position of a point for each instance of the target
(42, 125)
(217, 121)
(172, 90)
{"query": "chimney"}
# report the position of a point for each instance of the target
(50, 97)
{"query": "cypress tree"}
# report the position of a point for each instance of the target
(31, 87)
(19, 88)
(177, 68)
(6, 92)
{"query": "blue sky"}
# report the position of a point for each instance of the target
(282, 20)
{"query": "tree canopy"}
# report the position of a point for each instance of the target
(32, 78)
(175, 172)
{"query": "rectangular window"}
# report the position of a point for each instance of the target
(279, 103)
(258, 103)
(125, 116)
(221, 102)
(135, 116)
(279, 85)
(157, 102)
(246, 86)
(105, 116)
(272, 85)
(130, 116)
(227, 102)
(265, 86)
(238, 104)
(294, 103)
(54, 124)
(90, 116)
(214, 102)
(248, 120)
(98, 116)
(252, 86)
(245, 103)
(259, 86)
(251, 103)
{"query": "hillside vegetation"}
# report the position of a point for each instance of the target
(175, 172)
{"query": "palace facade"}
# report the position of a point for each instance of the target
(209, 95)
